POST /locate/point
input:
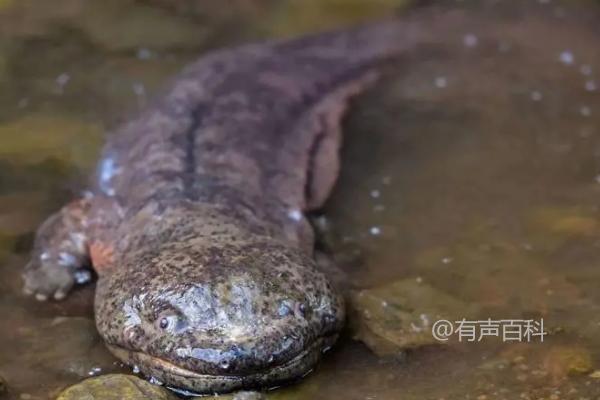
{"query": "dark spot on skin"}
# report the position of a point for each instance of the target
(302, 309)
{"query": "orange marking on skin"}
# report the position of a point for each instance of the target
(102, 256)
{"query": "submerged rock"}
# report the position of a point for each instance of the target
(566, 360)
(117, 387)
(399, 316)
(552, 227)
(595, 374)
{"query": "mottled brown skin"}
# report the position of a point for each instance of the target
(195, 223)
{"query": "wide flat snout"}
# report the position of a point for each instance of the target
(219, 317)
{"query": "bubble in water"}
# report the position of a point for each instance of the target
(61, 82)
(375, 194)
(63, 79)
(144, 54)
(559, 12)
(536, 95)
(585, 111)
(586, 69)
(378, 208)
(375, 231)
(295, 215)
(441, 82)
(586, 132)
(139, 89)
(470, 40)
(504, 47)
(590, 86)
(24, 102)
(566, 57)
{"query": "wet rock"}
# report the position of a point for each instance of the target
(552, 227)
(595, 374)
(399, 316)
(562, 361)
(568, 221)
(117, 387)
(550, 364)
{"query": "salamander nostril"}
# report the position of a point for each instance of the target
(329, 319)
(288, 307)
(131, 333)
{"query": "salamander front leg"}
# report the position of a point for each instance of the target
(60, 253)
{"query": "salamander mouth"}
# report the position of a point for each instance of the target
(191, 382)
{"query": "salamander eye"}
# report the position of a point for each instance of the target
(170, 322)
(163, 323)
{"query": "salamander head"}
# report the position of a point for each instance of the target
(219, 318)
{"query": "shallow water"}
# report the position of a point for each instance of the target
(474, 168)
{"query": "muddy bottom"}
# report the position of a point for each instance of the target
(471, 170)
